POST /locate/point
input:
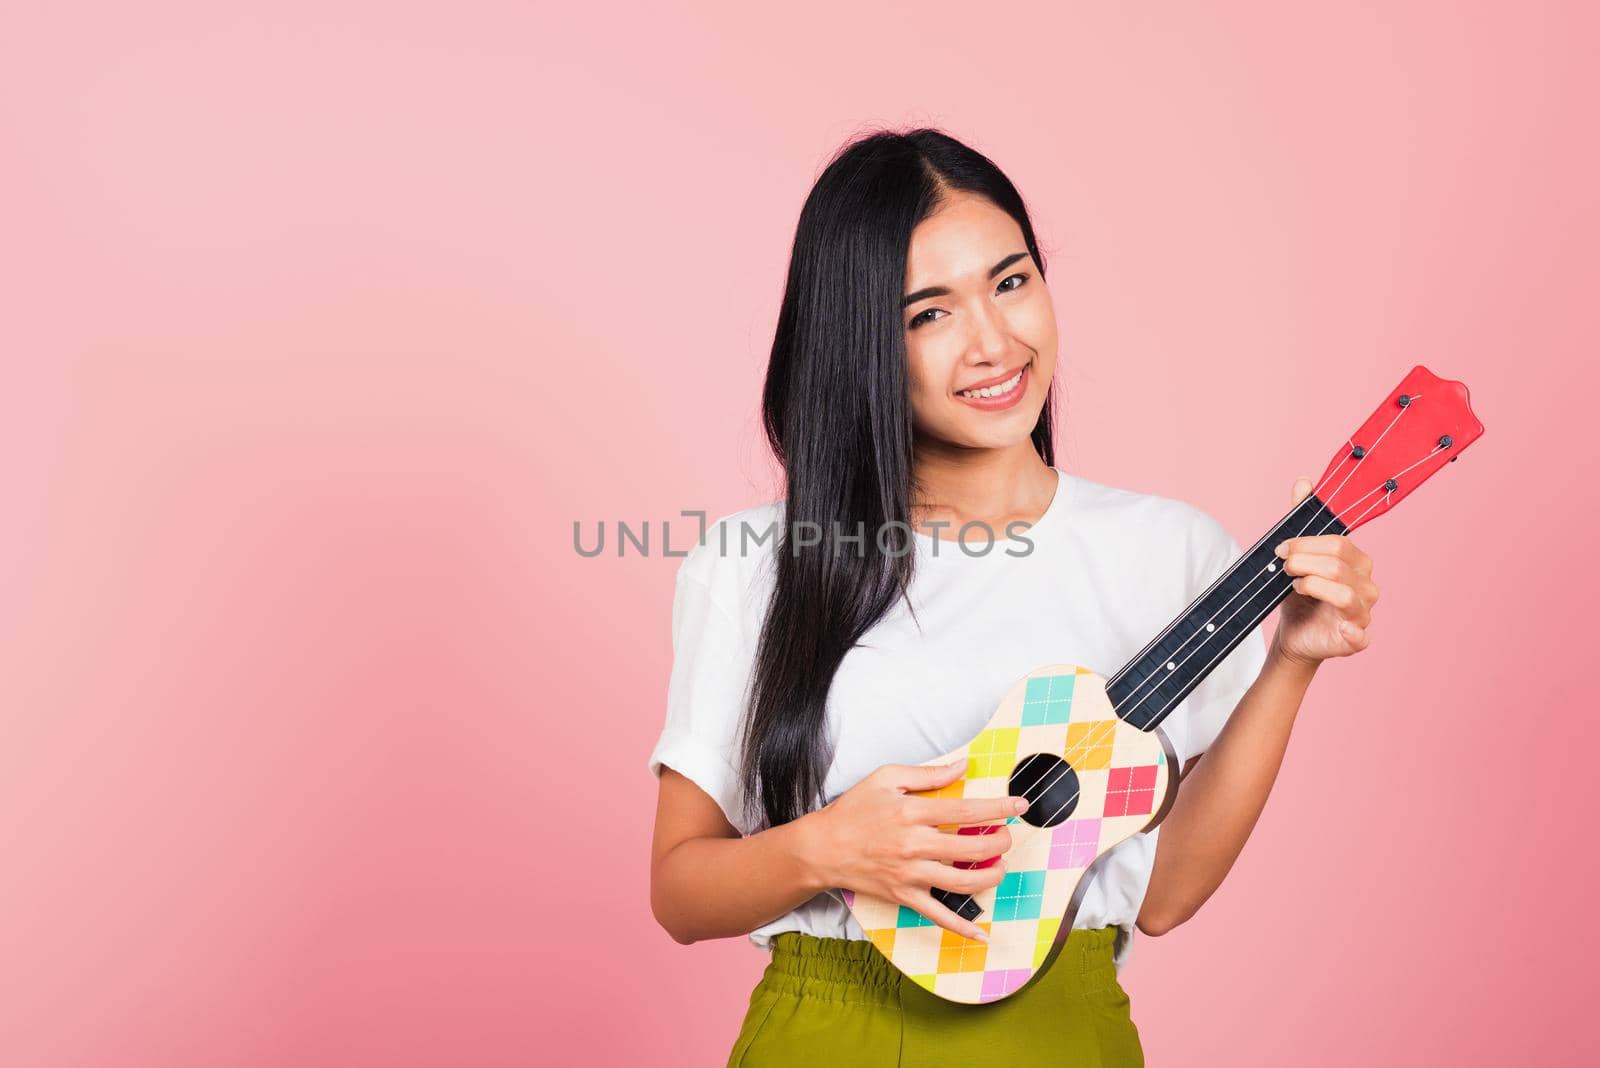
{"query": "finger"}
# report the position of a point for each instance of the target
(959, 880)
(975, 846)
(965, 810)
(1359, 561)
(1327, 545)
(1337, 594)
(1329, 567)
(1335, 568)
(1356, 636)
(1302, 489)
(1363, 593)
(925, 776)
(939, 914)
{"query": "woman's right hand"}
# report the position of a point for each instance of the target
(875, 839)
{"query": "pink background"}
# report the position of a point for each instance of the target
(323, 322)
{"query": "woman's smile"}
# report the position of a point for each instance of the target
(997, 396)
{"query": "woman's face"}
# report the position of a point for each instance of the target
(977, 315)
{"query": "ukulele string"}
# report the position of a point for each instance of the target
(1272, 567)
(1266, 587)
(1315, 492)
(1259, 542)
(1220, 608)
(1269, 571)
(967, 898)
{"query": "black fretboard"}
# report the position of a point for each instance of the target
(1150, 686)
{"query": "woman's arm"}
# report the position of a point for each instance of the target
(1223, 795)
(707, 882)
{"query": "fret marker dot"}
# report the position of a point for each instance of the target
(1211, 626)
(1171, 665)
(1272, 567)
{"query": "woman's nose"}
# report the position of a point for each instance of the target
(988, 342)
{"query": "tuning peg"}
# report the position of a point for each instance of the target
(1358, 452)
(1405, 400)
(1446, 441)
(1391, 485)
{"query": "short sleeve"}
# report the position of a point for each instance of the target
(1214, 698)
(705, 694)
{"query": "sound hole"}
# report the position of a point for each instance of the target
(1049, 784)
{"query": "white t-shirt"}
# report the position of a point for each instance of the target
(1107, 570)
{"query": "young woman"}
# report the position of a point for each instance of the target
(828, 643)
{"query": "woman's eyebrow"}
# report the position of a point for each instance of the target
(939, 291)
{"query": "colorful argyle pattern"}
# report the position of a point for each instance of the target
(1122, 779)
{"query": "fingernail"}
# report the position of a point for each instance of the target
(1021, 805)
(980, 936)
(957, 763)
(1280, 550)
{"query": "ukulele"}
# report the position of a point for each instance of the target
(1088, 753)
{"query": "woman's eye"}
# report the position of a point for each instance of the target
(924, 317)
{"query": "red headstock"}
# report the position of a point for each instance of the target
(1422, 425)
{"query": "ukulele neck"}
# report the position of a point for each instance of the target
(1150, 685)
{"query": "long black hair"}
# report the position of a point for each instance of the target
(837, 415)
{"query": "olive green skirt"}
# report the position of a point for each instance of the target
(838, 1002)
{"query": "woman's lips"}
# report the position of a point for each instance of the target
(1005, 400)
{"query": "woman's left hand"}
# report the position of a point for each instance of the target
(1331, 607)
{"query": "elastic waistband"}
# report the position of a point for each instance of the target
(852, 969)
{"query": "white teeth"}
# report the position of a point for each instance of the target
(993, 391)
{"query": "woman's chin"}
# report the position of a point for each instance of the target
(992, 434)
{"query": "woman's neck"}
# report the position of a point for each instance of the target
(993, 486)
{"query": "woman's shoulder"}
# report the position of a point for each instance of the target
(733, 556)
